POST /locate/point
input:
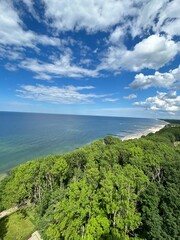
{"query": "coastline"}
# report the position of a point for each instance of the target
(145, 132)
(136, 135)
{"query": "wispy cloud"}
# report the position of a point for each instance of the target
(87, 40)
(131, 96)
(62, 67)
(110, 100)
(11, 53)
(139, 17)
(19, 104)
(10, 67)
(58, 95)
(12, 30)
(101, 15)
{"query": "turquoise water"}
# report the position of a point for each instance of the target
(26, 136)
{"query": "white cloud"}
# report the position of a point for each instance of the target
(165, 80)
(58, 95)
(11, 53)
(165, 102)
(91, 15)
(169, 19)
(152, 52)
(131, 96)
(10, 67)
(56, 69)
(172, 27)
(118, 18)
(110, 99)
(12, 29)
(30, 6)
(157, 16)
(117, 35)
(138, 16)
(144, 18)
(19, 104)
(85, 61)
(161, 19)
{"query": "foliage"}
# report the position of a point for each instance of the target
(110, 189)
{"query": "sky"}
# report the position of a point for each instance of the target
(90, 57)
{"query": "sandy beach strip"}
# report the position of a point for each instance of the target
(3, 175)
(145, 132)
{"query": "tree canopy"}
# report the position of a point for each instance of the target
(109, 189)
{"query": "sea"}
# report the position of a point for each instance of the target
(27, 136)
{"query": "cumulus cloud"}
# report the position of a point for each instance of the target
(165, 102)
(156, 22)
(152, 52)
(169, 79)
(57, 69)
(58, 95)
(137, 18)
(131, 96)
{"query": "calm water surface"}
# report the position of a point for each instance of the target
(26, 136)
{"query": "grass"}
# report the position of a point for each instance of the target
(16, 227)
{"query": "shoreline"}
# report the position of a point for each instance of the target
(144, 133)
(136, 135)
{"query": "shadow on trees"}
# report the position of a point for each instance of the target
(3, 227)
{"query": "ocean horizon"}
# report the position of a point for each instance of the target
(26, 136)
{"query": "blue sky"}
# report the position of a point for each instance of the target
(92, 57)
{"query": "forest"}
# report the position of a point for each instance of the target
(109, 189)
